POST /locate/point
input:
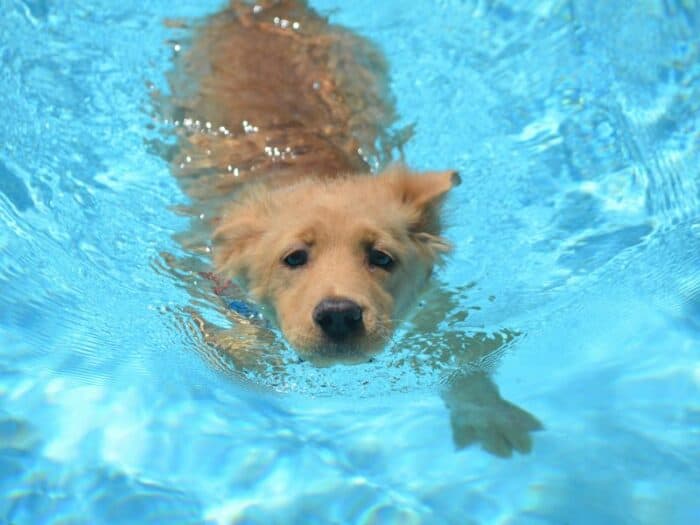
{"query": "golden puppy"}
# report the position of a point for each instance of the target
(285, 111)
(281, 118)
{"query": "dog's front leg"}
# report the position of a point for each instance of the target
(478, 414)
(247, 345)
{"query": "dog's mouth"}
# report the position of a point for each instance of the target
(325, 352)
(329, 358)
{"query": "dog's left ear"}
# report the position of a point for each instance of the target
(235, 239)
(423, 194)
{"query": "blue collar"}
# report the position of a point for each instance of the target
(245, 309)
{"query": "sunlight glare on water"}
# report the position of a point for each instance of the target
(575, 126)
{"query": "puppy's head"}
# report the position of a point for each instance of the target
(337, 261)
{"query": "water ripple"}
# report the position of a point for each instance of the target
(574, 280)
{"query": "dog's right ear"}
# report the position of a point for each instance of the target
(234, 241)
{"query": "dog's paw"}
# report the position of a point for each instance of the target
(478, 414)
(500, 429)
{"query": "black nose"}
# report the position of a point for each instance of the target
(338, 318)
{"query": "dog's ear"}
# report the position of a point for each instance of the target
(423, 194)
(235, 240)
(425, 191)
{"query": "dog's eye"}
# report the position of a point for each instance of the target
(296, 258)
(380, 259)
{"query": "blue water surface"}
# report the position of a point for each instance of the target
(576, 127)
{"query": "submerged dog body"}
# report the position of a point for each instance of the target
(273, 93)
(294, 103)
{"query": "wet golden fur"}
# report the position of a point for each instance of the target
(281, 118)
(272, 93)
(293, 110)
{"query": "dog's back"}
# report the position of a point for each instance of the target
(279, 93)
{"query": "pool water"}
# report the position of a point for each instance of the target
(576, 128)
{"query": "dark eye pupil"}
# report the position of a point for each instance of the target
(381, 259)
(296, 258)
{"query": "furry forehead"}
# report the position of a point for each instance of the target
(418, 194)
(397, 196)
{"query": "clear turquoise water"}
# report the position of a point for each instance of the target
(576, 127)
